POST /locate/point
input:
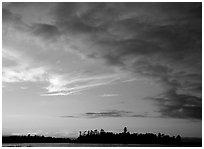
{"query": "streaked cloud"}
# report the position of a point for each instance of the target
(105, 114)
(65, 85)
(110, 95)
(130, 80)
(25, 70)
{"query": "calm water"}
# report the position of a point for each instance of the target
(81, 145)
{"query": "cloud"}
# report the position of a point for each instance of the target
(62, 93)
(109, 113)
(11, 20)
(177, 105)
(160, 41)
(25, 69)
(11, 57)
(130, 80)
(114, 113)
(109, 95)
(47, 31)
(21, 69)
(69, 84)
(20, 75)
(7, 15)
(24, 88)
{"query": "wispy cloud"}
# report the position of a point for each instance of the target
(24, 87)
(110, 95)
(11, 55)
(114, 113)
(69, 84)
(130, 80)
(21, 75)
(25, 70)
(108, 113)
(60, 93)
(22, 69)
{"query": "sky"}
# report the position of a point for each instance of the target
(70, 67)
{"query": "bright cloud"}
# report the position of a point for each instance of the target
(26, 70)
(20, 75)
(109, 95)
(65, 85)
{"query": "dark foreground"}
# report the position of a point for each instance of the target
(95, 138)
(95, 145)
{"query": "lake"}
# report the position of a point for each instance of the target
(85, 145)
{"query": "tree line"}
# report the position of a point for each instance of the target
(33, 139)
(95, 136)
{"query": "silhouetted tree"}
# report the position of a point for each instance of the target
(125, 129)
(178, 138)
(102, 131)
